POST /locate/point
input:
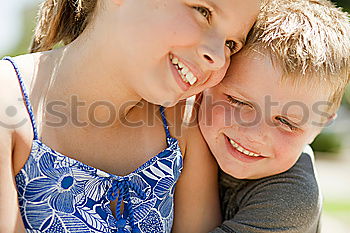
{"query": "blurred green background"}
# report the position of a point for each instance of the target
(332, 147)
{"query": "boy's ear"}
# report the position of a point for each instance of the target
(326, 123)
(331, 119)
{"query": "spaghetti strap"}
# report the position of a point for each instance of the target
(25, 95)
(165, 123)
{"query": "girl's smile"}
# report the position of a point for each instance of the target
(186, 75)
(194, 37)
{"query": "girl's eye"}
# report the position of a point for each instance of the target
(231, 45)
(204, 11)
(236, 102)
(286, 123)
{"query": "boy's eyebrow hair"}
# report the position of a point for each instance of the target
(293, 116)
(228, 88)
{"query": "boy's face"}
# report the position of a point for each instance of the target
(255, 125)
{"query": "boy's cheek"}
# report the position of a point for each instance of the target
(212, 115)
(287, 152)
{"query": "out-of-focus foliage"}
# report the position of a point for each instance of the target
(327, 142)
(28, 24)
(346, 101)
(345, 4)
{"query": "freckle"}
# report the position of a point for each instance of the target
(11, 111)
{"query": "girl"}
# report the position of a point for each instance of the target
(75, 163)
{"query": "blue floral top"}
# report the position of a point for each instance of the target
(59, 194)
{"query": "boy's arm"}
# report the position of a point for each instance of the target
(197, 207)
(287, 202)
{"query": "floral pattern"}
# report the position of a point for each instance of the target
(59, 194)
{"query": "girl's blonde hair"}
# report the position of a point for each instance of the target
(61, 21)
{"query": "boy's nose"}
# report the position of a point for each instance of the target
(257, 134)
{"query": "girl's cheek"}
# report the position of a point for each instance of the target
(219, 75)
(181, 27)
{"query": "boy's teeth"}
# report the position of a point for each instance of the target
(246, 152)
(242, 150)
(186, 75)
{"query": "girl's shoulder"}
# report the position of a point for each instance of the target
(11, 97)
(183, 125)
(26, 67)
(15, 125)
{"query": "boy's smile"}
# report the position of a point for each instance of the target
(241, 153)
(257, 124)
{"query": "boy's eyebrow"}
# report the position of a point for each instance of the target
(239, 90)
(294, 117)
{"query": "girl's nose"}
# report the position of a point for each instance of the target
(212, 53)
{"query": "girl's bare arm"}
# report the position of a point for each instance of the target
(197, 207)
(10, 218)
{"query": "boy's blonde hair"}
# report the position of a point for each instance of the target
(309, 40)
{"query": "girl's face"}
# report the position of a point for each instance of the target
(172, 49)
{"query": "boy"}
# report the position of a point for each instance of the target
(279, 92)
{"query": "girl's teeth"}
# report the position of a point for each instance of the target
(190, 77)
(186, 75)
(184, 70)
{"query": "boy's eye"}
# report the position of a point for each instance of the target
(231, 45)
(204, 11)
(236, 102)
(286, 123)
